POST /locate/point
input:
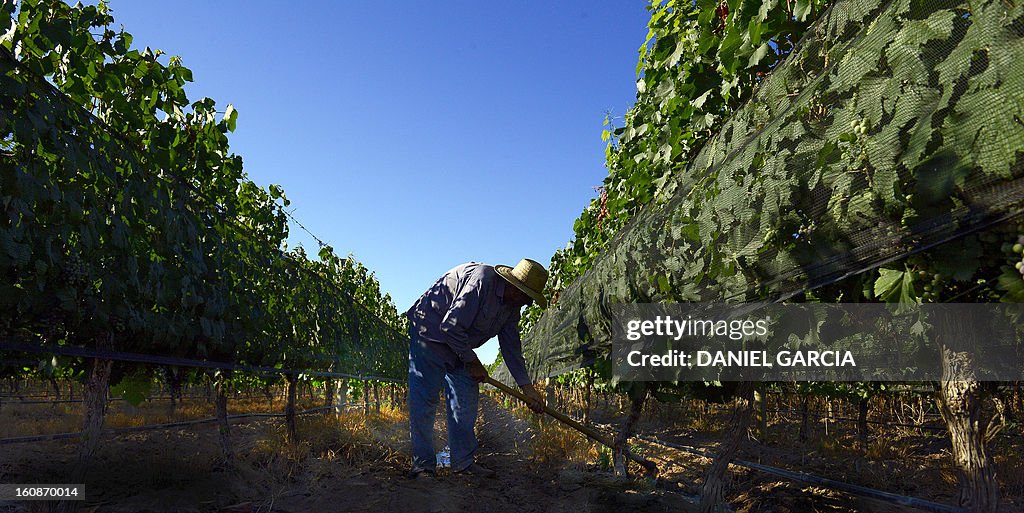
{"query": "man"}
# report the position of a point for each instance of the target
(466, 307)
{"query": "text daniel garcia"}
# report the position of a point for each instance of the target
(676, 358)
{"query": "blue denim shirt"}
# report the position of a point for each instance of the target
(463, 310)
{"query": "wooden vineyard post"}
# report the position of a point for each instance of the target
(712, 494)
(376, 396)
(328, 396)
(586, 400)
(172, 404)
(959, 399)
(365, 394)
(289, 409)
(95, 410)
(637, 397)
(342, 401)
(549, 395)
(760, 411)
(828, 413)
(862, 421)
(95, 398)
(56, 387)
(174, 378)
(268, 392)
(223, 428)
(805, 420)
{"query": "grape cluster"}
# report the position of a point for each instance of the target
(1018, 252)
(859, 126)
(74, 270)
(932, 288)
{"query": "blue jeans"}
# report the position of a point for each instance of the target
(428, 370)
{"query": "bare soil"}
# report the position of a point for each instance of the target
(357, 462)
(333, 469)
(910, 462)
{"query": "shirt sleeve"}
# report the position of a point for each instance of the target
(460, 316)
(512, 351)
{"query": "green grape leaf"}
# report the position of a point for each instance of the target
(133, 388)
(802, 9)
(758, 55)
(231, 117)
(895, 286)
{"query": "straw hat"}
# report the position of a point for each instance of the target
(528, 276)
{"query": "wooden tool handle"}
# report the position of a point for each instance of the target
(593, 434)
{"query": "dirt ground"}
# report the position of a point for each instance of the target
(332, 470)
(915, 463)
(358, 463)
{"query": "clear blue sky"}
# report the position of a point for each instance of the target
(415, 135)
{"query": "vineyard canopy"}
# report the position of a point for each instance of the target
(126, 221)
(892, 128)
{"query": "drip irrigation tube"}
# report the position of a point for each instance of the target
(861, 491)
(153, 427)
(173, 360)
(7, 402)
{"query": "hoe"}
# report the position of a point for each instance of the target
(652, 469)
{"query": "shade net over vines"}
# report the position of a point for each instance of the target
(893, 128)
(153, 255)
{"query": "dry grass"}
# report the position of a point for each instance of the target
(45, 419)
(515, 406)
(351, 437)
(1011, 469)
(175, 466)
(881, 449)
(949, 477)
(552, 443)
(556, 444)
(707, 423)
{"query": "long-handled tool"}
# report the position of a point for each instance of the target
(652, 469)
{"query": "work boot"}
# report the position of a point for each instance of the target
(477, 470)
(416, 472)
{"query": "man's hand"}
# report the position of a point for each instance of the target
(476, 370)
(534, 401)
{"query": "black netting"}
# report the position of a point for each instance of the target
(893, 128)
